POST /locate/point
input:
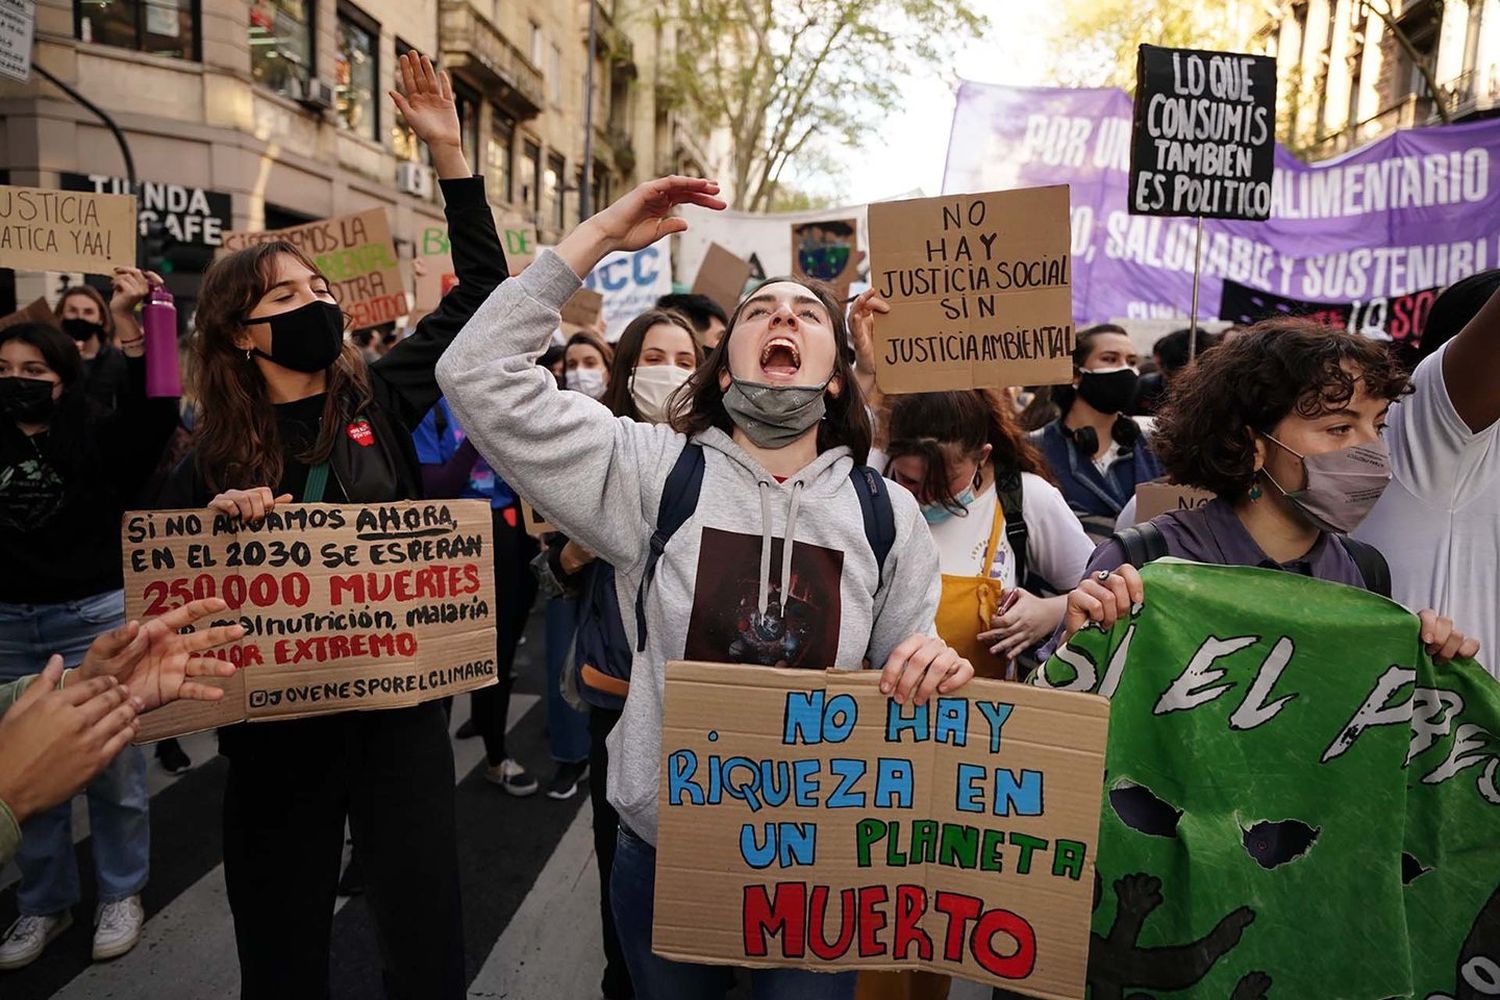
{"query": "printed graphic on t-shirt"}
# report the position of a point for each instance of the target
(31, 492)
(727, 626)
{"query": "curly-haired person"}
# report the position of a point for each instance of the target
(1284, 425)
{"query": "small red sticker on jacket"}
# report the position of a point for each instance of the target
(361, 434)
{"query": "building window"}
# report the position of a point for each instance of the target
(281, 45)
(554, 75)
(531, 166)
(554, 190)
(501, 153)
(403, 140)
(467, 102)
(160, 27)
(356, 76)
(537, 44)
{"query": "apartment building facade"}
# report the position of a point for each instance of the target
(251, 114)
(1353, 70)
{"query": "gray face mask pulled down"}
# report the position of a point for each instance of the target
(1342, 486)
(773, 416)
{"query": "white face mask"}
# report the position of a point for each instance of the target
(651, 385)
(589, 381)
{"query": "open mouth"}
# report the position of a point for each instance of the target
(780, 357)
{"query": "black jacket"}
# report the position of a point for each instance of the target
(403, 382)
(63, 491)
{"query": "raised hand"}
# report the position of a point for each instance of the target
(637, 220)
(158, 663)
(426, 102)
(57, 741)
(129, 288)
(862, 326)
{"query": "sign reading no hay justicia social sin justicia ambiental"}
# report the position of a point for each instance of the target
(1204, 137)
(808, 820)
(980, 290)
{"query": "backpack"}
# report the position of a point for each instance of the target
(1144, 543)
(1008, 488)
(602, 645)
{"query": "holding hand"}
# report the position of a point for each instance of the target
(862, 327)
(1103, 598)
(1023, 623)
(130, 286)
(57, 741)
(921, 666)
(1443, 642)
(429, 108)
(251, 505)
(157, 662)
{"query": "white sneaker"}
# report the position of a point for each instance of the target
(118, 928)
(512, 777)
(28, 937)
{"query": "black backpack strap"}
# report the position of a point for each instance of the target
(679, 498)
(1143, 543)
(1372, 565)
(1011, 499)
(879, 517)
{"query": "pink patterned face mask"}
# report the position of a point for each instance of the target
(1342, 486)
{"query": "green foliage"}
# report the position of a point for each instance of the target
(1098, 39)
(788, 80)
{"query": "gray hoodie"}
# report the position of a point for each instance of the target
(717, 593)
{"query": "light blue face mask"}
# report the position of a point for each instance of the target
(937, 513)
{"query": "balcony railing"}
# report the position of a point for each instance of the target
(472, 43)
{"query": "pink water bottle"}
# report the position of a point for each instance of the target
(159, 322)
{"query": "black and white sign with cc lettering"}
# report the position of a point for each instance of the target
(1204, 141)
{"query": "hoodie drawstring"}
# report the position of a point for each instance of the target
(764, 604)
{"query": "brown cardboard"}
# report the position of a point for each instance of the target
(722, 277)
(355, 253)
(346, 606)
(950, 268)
(1159, 496)
(584, 308)
(707, 893)
(437, 278)
(827, 250)
(36, 312)
(535, 523)
(46, 230)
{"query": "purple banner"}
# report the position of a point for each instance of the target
(1417, 209)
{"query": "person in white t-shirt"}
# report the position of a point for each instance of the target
(966, 461)
(1438, 522)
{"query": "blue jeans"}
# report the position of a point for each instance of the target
(633, 894)
(567, 727)
(119, 820)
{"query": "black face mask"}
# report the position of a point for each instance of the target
(26, 400)
(306, 339)
(82, 330)
(1110, 391)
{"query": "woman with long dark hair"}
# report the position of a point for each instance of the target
(292, 413)
(68, 470)
(779, 425)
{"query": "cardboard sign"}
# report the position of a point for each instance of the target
(722, 277)
(980, 289)
(1397, 318)
(536, 524)
(583, 308)
(807, 820)
(1159, 496)
(434, 279)
(357, 255)
(826, 251)
(46, 230)
(630, 282)
(345, 606)
(37, 312)
(1272, 736)
(17, 25)
(1204, 134)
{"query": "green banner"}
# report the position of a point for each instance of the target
(1298, 802)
